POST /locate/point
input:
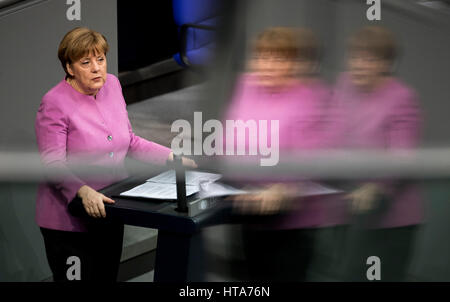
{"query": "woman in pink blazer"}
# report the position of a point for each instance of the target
(83, 120)
(379, 112)
(282, 85)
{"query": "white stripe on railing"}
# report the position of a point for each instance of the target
(419, 164)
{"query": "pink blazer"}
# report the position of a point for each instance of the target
(388, 118)
(70, 126)
(301, 112)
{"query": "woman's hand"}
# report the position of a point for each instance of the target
(271, 200)
(187, 162)
(363, 199)
(93, 201)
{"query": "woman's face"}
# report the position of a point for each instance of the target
(366, 70)
(89, 72)
(273, 71)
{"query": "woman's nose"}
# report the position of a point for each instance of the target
(95, 66)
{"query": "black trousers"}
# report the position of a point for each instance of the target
(98, 250)
(278, 255)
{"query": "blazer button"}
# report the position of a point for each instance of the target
(109, 137)
(111, 154)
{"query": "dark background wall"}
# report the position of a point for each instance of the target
(30, 34)
(146, 33)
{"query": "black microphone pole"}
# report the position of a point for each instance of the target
(180, 175)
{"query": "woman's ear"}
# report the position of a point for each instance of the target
(69, 69)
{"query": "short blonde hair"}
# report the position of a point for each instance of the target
(288, 42)
(79, 42)
(375, 40)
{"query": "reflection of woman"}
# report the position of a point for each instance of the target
(282, 86)
(378, 111)
(85, 114)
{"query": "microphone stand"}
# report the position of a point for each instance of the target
(180, 175)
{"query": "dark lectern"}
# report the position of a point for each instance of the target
(179, 248)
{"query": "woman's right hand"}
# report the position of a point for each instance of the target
(272, 200)
(363, 199)
(187, 162)
(93, 201)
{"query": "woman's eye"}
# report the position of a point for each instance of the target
(84, 63)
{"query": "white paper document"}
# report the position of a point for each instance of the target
(313, 188)
(158, 191)
(193, 178)
(218, 189)
(305, 189)
(163, 186)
